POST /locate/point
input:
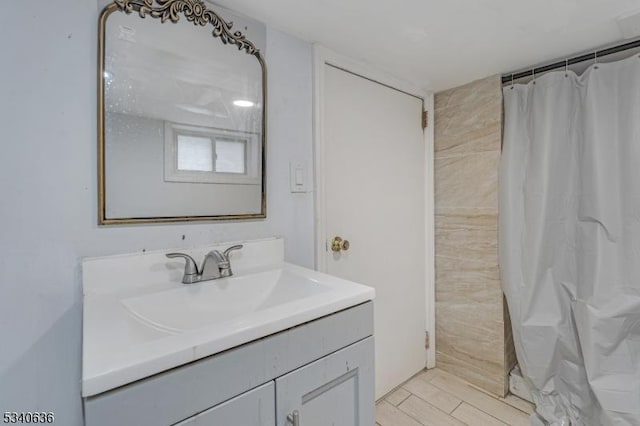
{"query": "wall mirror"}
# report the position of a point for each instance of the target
(182, 117)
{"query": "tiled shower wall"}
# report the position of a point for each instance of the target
(473, 334)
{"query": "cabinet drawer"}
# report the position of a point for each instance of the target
(254, 408)
(336, 390)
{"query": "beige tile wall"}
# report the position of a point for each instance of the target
(473, 337)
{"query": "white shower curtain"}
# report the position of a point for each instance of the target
(570, 241)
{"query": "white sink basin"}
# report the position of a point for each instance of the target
(220, 301)
(140, 320)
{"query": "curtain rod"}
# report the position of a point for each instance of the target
(507, 78)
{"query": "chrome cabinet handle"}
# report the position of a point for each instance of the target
(294, 418)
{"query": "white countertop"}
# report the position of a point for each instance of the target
(120, 348)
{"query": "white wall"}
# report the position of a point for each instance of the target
(48, 192)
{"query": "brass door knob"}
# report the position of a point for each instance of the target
(338, 244)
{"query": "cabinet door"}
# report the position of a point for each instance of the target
(336, 390)
(253, 408)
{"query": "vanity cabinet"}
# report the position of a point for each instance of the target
(336, 390)
(253, 408)
(323, 369)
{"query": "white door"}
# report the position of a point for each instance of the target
(373, 180)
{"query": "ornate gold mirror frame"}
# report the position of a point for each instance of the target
(194, 11)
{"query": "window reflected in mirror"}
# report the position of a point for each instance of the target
(195, 153)
(231, 156)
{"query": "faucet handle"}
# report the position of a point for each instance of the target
(225, 263)
(220, 258)
(190, 267)
(230, 249)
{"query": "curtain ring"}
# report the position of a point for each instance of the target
(533, 73)
(595, 59)
(511, 81)
(566, 68)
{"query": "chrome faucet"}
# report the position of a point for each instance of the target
(215, 265)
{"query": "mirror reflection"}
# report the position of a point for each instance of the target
(183, 123)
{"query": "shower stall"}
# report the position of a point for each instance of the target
(569, 236)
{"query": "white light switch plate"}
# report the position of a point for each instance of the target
(299, 176)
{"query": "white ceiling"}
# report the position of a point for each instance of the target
(438, 44)
(151, 72)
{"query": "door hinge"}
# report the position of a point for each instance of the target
(426, 340)
(425, 119)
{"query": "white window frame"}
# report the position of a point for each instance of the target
(253, 148)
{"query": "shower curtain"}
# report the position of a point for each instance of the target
(570, 241)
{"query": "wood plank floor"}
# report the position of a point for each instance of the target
(437, 398)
